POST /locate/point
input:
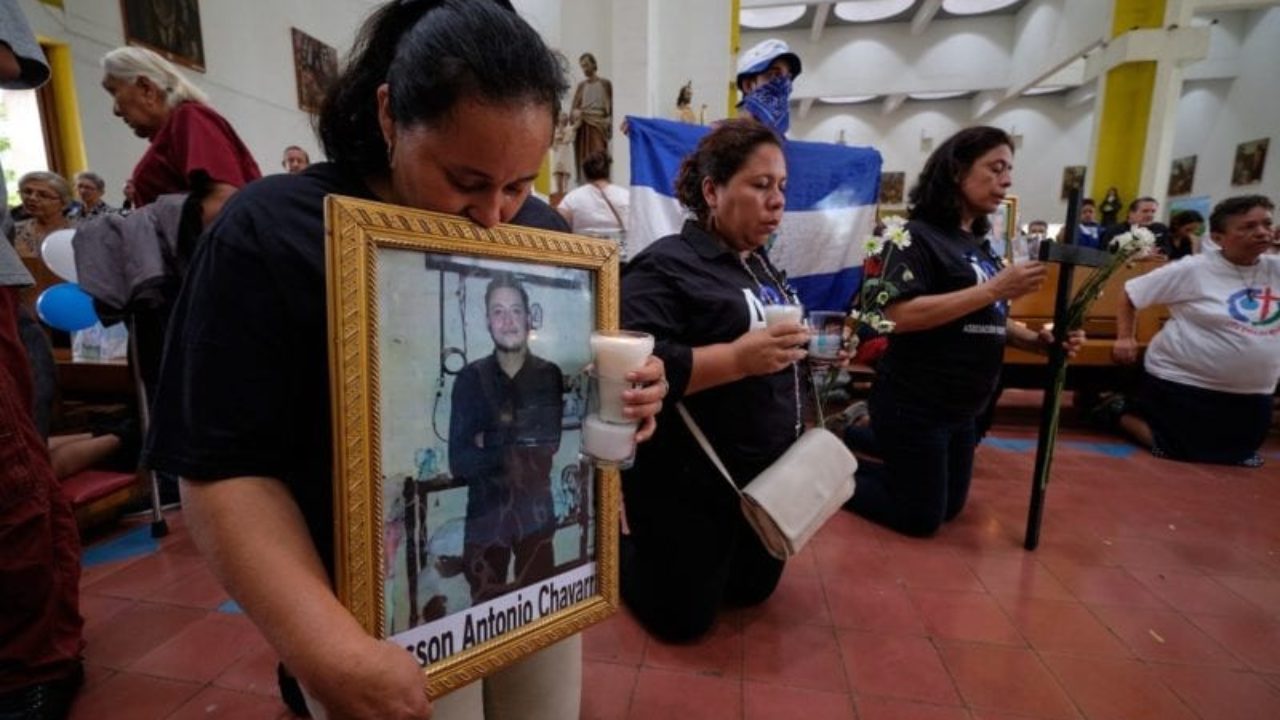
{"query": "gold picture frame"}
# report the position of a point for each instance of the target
(400, 283)
(1004, 226)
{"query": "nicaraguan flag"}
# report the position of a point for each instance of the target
(831, 206)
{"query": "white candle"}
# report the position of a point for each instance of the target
(608, 442)
(614, 354)
(609, 396)
(775, 314)
(618, 352)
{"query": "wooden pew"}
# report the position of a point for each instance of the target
(1036, 310)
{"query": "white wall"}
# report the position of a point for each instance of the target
(1054, 136)
(1214, 116)
(249, 73)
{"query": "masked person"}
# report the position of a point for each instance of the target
(765, 74)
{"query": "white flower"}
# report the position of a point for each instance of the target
(894, 221)
(1144, 237)
(907, 275)
(882, 298)
(873, 245)
(899, 236)
(1137, 241)
(885, 326)
(855, 315)
(872, 318)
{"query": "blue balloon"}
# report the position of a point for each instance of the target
(66, 307)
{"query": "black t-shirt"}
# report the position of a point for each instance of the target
(688, 291)
(954, 368)
(244, 387)
(508, 475)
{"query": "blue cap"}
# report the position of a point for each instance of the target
(759, 57)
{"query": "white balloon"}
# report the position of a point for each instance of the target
(58, 254)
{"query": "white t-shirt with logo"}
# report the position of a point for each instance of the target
(591, 215)
(1224, 333)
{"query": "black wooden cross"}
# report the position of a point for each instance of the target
(1067, 255)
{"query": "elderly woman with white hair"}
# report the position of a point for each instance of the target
(193, 148)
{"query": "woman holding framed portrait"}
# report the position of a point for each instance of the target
(444, 105)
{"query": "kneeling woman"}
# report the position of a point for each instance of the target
(944, 358)
(1212, 369)
(700, 293)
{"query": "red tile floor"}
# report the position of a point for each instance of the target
(1155, 593)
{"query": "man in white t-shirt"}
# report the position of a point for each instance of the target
(598, 208)
(1212, 369)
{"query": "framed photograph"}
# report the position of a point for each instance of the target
(315, 65)
(470, 531)
(1251, 160)
(1182, 175)
(891, 185)
(1072, 178)
(170, 27)
(1004, 228)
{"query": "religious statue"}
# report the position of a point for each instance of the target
(592, 113)
(684, 105)
(1110, 207)
(560, 142)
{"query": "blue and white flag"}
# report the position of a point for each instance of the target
(831, 206)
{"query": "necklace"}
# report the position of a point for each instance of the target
(1249, 280)
(789, 296)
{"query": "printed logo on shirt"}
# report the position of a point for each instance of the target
(984, 268)
(755, 310)
(1257, 308)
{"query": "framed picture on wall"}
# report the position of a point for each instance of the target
(169, 27)
(315, 65)
(1072, 178)
(1251, 160)
(470, 531)
(1182, 175)
(891, 186)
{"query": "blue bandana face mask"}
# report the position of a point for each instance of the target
(768, 103)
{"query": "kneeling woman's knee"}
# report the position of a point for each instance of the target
(920, 525)
(677, 623)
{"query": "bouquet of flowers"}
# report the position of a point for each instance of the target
(877, 291)
(1136, 243)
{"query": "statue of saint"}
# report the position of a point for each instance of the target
(684, 105)
(591, 113)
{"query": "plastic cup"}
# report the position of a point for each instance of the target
(828, 334)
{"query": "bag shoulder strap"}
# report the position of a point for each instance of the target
(605, 196)
(706, 446)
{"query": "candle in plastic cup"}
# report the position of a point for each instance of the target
(618, 352)
(614, 354)
(609, 396)
(828, 334)
(775, 314)
(610, 443)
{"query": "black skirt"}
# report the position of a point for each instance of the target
(1199, 425)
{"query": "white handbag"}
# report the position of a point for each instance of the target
(790, 501)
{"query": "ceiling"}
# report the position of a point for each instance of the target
(771, 16)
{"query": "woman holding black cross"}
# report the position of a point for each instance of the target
(950, 309)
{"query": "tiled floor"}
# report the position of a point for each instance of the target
(1155, 594)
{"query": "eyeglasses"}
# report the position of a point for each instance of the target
(39, 194)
